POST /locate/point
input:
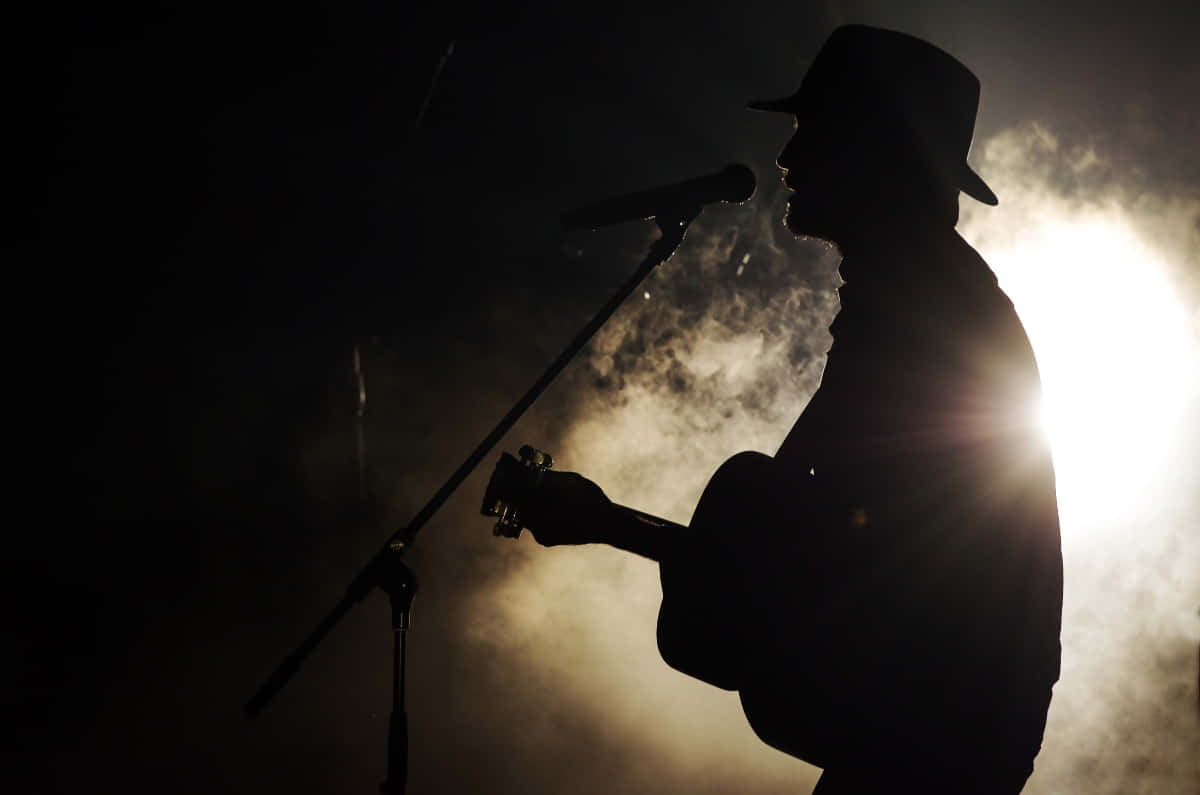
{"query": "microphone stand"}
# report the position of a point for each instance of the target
(387, 570)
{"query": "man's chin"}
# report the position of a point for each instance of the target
(799, 220)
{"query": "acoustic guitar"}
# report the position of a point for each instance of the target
(714, 622)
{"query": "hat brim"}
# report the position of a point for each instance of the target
(971, 184)
(968, 181)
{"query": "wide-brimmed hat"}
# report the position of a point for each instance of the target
(871, 73)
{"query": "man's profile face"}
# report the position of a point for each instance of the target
(847, 173)
(817, 167)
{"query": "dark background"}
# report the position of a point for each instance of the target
(214, 205)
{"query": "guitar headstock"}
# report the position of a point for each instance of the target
(512, 483)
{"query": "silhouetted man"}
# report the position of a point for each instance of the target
(886, 593)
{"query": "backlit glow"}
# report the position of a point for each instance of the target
(1114, 348)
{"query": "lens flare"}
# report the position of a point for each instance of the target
(1114, 347)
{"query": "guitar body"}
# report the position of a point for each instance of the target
(735, 598)
(702, 628)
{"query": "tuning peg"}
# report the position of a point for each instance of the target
(532, 457)
(509, 524)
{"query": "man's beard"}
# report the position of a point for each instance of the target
(791, 217)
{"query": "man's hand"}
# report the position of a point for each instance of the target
(567, 508)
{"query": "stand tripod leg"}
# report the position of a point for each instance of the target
(397, 770)
(400, 584)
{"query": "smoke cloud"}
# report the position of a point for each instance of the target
(718, 352)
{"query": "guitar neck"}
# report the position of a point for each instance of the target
(649, 519)
(644, 534)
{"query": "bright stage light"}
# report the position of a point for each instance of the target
(1115, 351)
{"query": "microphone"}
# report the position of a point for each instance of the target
(734, 183)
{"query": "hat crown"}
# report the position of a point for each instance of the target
(902, 78)
(900, 84)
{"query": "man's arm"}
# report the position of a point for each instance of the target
(570, 509)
